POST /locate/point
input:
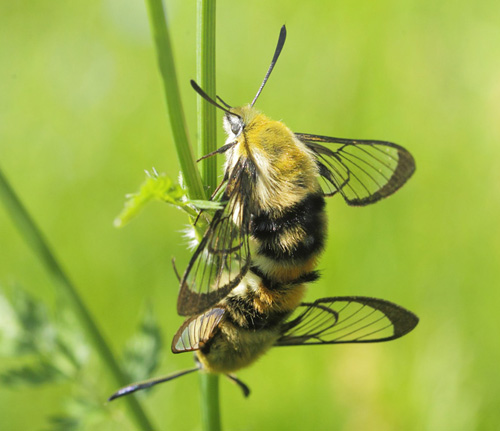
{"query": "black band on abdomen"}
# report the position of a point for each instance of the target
(271, 231)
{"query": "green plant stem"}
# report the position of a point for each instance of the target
(164, 52)
(35, 239)
(209, 391)
(207, 139)
(207, 142)
(205, 75)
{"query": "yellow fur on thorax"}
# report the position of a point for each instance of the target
(280, 158)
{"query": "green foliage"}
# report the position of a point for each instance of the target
(56, 346)
(24, 325)
(64, 423)
(37, 374)
(142, 351)
(81, 414)
(162, 188)
(52, 348)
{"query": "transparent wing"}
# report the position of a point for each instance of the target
(349, 319)
(362, 171)
(222, 257)
(196, 331)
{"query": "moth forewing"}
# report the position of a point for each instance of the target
(222, 257)
(363, 171)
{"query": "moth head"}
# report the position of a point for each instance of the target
(233, 124)
(237, 119)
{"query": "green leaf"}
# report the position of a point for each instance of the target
(10, 329)
(160, 187)
(25, 325)
(27, 328)
(142, 351)
(38, 333)
(155, 187)
(207, 205)
(30, 375)
(72, 350)
(83, 414)
(64, 423)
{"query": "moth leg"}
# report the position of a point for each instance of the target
(175, 270)
(244, 388)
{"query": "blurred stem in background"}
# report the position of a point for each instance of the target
(35, 239)
(207, 142)
(166, 64)
(196, 190)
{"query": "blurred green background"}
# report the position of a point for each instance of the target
(82, 115)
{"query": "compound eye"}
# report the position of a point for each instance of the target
(236, 124)
(236, 128)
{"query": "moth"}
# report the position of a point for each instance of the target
(243, 288)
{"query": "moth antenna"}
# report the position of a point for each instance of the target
(277, 52)
(198, 89)
(148, 383)
(224, 103)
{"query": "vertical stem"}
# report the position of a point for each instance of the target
(35, 239)
(209, 391)
(207, 142)
(207, 134)
(165, 56)
(205, 75)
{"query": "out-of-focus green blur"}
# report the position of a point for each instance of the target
(82, 115)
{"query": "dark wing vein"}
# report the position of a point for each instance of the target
(197, 330)
(223, 256)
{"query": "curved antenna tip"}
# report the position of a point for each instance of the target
(194, 84)
(277, 52)
(199, 90)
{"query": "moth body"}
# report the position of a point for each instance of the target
(250, 270)
(243, 288)
(286, 235)
(234, 348)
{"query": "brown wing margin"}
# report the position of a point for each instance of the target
(349, 319)
(222, 257)
(362, 171)
(196, 331)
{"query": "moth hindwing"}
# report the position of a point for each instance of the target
(197, 330)
(349, 319)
